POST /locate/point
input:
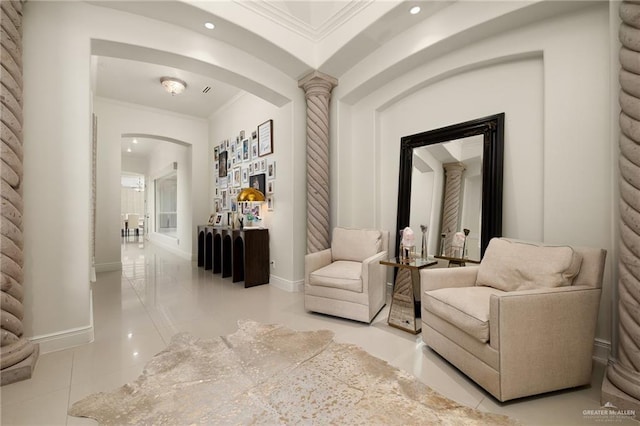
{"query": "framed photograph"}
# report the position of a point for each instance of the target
(245, 150)
(225, 199)
(251, 168)
(222, 163)
(245, 176)
(271, 169)
(270, 187)
(254, 149)
(265, 138)
(229, 218)
(241, 134)
(256, 167)
(212, 219)
(255, 210)
(223, 182)
(270, 203)
(237, 176)
(258, 182)
(263, 165)
(216, 205)
(215, 153)
(218, 219)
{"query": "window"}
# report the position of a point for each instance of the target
(167, 204)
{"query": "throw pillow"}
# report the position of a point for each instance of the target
(355, 244)
(513, 265)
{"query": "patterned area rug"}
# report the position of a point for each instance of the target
(269, 374)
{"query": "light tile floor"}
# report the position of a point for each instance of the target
(157, 294)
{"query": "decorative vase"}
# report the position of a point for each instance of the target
(442, 243)
(423, 254)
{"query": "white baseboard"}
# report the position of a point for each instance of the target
(169, 244)
(68, 338)
(108, 267)
(286, 285)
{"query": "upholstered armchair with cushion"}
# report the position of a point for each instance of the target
(347, 280)
(522, 322)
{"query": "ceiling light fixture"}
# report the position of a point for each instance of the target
(128, 149)
(209, 25)
(414, 10)
(173, 85)
(135, 141)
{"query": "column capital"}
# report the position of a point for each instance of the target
(454, 167)
(317, 83)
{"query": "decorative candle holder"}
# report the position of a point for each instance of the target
(423, 253)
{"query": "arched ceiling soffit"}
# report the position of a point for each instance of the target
(159, 57)
(433, 39)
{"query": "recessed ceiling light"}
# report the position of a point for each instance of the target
(135, 141)
(128, 149)
(414, 10)
(209, 25)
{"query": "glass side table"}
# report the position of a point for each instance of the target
(459, 261)
(404, 312)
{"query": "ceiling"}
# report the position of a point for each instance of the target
(298, 37)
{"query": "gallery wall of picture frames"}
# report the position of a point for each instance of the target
(241, 162)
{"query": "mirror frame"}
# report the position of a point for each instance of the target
(492, 127)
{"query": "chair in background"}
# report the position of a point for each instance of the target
(347, 280)
(133, 224)
(522, 322)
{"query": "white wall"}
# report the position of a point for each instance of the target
(550, 77)
(287, 223)
(57, 141)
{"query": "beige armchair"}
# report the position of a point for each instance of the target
(522, 322)
(347, 280)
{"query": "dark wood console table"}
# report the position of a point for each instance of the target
(404, 312)
(242, 254)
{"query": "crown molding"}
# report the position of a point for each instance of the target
(285, 19)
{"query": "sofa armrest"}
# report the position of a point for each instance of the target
(433, 279)
(373, 270)
(545, 338)
(315, 261)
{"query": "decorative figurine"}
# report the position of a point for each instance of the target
(442, 244)
(408, 246)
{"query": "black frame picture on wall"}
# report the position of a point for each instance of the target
(222, 164)
(265, 138)
(258, 182)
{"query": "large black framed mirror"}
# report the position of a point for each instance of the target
(473, 150)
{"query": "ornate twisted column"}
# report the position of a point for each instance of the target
(317, 87)
(17, 354)
(451, 203)
(621, 385)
